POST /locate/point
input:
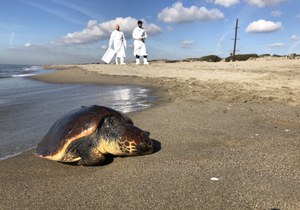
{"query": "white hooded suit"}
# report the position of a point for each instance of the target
(139, 35)
(117, 39)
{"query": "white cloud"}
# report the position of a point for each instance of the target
(276, 45)
(180, 14)
(130, 46)
(263, 26)
(295, 37)
(54, 11)
(76, 8)
(264, 3)
(29, 47)
(276, 13)
(225, 3)
(170, 28)
(187, 43)
(96, 31)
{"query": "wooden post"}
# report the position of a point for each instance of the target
(235, 38)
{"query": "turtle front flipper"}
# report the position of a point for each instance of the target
(84, 151)
(91, 157)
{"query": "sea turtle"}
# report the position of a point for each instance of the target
(87, 134)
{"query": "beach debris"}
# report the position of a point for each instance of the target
(287, 130)
(233, 64)
(254, 135)
(214, 179)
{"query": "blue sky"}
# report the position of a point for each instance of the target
(77, 31)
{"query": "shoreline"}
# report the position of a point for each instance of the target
(237, 123)
(259, 81)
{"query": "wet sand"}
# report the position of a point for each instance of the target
(237, 122)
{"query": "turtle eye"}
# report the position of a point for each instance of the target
(146, 134)
(110, 121)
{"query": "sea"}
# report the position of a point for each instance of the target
(29, 107)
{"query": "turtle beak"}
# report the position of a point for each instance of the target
(145, 147)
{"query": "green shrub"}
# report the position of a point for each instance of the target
(264, 55)
(188, 60)
(277, 56)
(210, 58)
(242, 57)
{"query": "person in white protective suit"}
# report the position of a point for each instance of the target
(139, 35)
(117, 39)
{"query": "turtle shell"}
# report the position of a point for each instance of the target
(71, 127)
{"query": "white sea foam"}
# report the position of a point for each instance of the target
(9, 156)
(22, 75)
(32, 68)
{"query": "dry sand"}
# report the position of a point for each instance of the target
(237, 122)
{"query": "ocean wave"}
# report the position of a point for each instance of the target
(12, 71)
(32, 68)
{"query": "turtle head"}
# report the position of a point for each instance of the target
(123, 138)
(135, 141)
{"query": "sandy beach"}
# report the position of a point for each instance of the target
(229, 139)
